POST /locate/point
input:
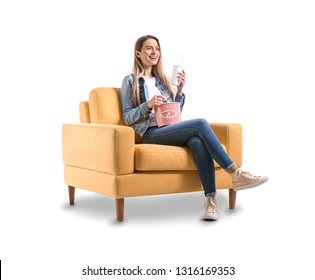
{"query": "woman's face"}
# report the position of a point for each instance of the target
(150, 53)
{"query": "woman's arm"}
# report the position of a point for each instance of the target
(131, 115)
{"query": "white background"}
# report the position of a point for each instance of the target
(249, 62)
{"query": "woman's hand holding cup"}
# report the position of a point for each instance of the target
(181, 78)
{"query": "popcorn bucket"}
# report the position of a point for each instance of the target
(167, 113)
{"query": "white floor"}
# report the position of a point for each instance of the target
(270, 231)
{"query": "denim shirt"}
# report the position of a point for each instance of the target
(138, 117)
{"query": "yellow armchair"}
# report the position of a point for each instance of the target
(103, 155)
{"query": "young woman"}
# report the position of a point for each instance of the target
(148, 86)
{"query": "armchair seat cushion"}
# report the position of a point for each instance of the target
(151, 157)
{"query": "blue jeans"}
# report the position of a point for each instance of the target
(199, 137)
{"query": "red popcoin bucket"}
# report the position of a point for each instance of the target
(167, 113)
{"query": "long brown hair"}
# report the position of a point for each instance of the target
(157, 70)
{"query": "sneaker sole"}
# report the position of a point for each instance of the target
(207, 218)
(261, 181)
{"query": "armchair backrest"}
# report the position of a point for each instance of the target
(103, 107)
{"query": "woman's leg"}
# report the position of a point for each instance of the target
(205, 165)
(178, 135)
(205, 146)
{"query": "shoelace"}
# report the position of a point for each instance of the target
(239, 172)
(210, 205)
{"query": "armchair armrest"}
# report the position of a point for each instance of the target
(100, 147)
(230, 135)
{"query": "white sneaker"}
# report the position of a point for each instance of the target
(212, 212)
(243, 180)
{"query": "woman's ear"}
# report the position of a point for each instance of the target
(137, 54)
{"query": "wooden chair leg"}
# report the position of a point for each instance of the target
(232, 198)
(71, 191)
(120, 203)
